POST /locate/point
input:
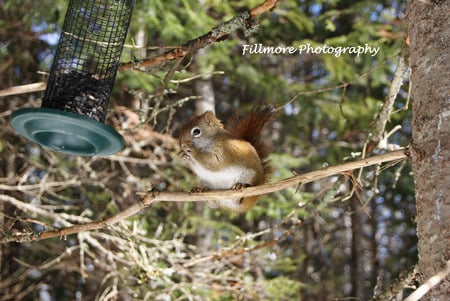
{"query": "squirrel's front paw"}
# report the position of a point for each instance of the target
(240, 186)
(197, 189)
(184, 155)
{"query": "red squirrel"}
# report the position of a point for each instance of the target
(227, 158)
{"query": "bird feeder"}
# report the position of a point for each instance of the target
(73, 111)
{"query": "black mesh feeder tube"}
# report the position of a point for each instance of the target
(71, 117)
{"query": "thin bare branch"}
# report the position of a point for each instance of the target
(233, 252)
(382, 119)
(34, 87)
(429, 284)
(276, 186)
(152, 197)
(39, 186)
(342, 85)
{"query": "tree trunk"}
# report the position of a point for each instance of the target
(357, 259)
(429, 33)
(203, 87)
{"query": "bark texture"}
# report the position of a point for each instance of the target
(429, 33)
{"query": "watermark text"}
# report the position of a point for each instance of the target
(337, 51)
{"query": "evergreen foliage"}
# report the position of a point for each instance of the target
(294, 244)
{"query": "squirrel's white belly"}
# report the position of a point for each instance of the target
(224, 178)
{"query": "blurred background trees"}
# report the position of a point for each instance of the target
(321, 242)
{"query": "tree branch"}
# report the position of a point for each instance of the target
(22, 89)
(151, 197)
(400, 74)
(429, 284)
(222, 254)
(219, 33)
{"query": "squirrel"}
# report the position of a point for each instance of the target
(227, 158)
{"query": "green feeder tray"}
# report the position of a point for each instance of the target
(67, 132)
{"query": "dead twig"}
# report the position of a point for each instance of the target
(22, 89)
(429, 284)
(235, 252)
(379, 124)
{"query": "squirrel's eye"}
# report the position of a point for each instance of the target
(196, 132)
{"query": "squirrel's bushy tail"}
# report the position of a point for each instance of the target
(250, 127)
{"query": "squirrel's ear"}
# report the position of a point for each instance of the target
(211, 120)
(210, 117)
